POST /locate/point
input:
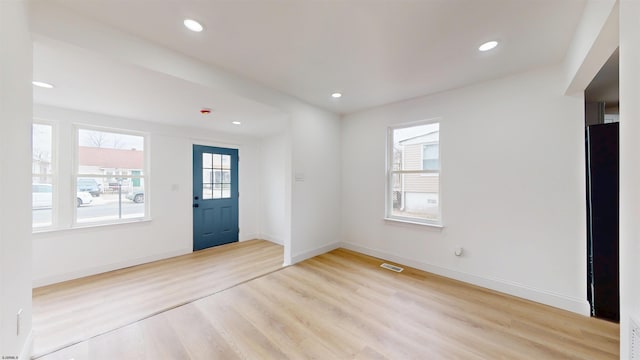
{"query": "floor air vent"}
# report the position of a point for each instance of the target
(391, 267)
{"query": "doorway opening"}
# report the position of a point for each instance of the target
(602, 175)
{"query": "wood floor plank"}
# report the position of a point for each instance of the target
(77, 310)
(200, 338)
(342, 305)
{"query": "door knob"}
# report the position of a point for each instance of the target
(196, 205)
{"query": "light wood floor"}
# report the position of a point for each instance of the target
(77, 310)
(342, 305)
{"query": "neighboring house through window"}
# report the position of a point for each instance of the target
(413, 173)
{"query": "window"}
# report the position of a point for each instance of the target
(413, 173)
(42, 199)
(110, 177)
(216, 176)
(99, 178)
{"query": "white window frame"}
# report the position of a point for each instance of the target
(75, 174)
(390, 172)
(54, 175)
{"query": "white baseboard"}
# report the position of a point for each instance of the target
(314, 252)
(27, 349)
(105, 268)
(246, 237)
(576, 305)
(272, 238)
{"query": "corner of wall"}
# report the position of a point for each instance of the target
(314, 252)
(272, 238)
(596, 38)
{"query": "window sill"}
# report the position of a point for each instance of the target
(90, 225)
(406, 221)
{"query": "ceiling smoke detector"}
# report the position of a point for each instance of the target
(205, 111)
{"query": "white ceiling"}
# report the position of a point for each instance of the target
(375, 52)
(94, 83)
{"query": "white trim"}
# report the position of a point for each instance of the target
(99, 223)
(91, 225)
(246, 237)
(274, 239)
(27, 348)
(314, 252)
(416, 123)
(576, 305)
(425, 172)
(106, 268)
(215, 143)
(414, 222)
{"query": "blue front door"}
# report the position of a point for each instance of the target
(215, 196)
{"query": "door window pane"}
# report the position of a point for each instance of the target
(216, 176)
(217, 161)
(226, 161)
(226, 191)
(207, 161)
(217, 191)
(207, 191)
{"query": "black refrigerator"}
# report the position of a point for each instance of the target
(602, 145)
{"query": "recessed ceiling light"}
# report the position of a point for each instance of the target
(236, 122)
(42, 84)
(336, 95)
(488, 45)
(193, 25)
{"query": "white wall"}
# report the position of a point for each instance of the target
(312, 206)
(15, 175)
(70, 253)
(273, 223)
(629, 170)
(316, 189)
(512, 188)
